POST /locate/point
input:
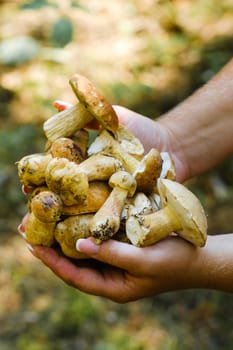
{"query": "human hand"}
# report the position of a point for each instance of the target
(127, 272)
(154, 134)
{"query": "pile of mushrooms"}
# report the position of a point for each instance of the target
(105, 188)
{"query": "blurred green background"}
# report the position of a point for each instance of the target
(148, 56)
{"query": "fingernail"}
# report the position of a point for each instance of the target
(88, 246)
(78, 242)
(30, 247)
(21, 231)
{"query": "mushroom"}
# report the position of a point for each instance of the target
(106, 221)
(128, 141)
(71, 180)
(95, 102)
(67, 122)
(146, 170)
(46, 206)
(139, 204)
(81, 138)
(35, 191)
(99, 166)
(168, 167)
(64, 178)
(31, 169)
(181, 212)
(104, 142)
(67, 232)
(67, 148)
(41, 223)
(97, 194)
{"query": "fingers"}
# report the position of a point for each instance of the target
(108, 282)
(115, 253)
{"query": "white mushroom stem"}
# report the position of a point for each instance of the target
(67, 122)
(99, 167)
(106, 221)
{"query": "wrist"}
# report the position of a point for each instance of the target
(214, 264)
(173, 145)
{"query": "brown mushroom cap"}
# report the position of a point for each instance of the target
(46, 206)
(187, 208)
(148, 171)
(95, 102)
(97, 194)
(67, 148)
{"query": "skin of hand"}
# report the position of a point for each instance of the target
(201, 124)
(129, 273)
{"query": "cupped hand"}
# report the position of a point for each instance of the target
(122, 272)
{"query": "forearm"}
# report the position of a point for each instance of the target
(201, 128)
(214, 265)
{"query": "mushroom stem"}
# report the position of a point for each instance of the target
(181, 212)
(148, 229)
(99, 167)
(67, 122)
(106, 221)
(38, 232)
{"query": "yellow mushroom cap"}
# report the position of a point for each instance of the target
(187, 208)
(124, 180)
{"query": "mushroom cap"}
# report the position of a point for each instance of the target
(95, 102)
(46, 206)
(124, 180)
(188, 209)
(148, 171)
(67, 148)
(97, 194)
(31, 169)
